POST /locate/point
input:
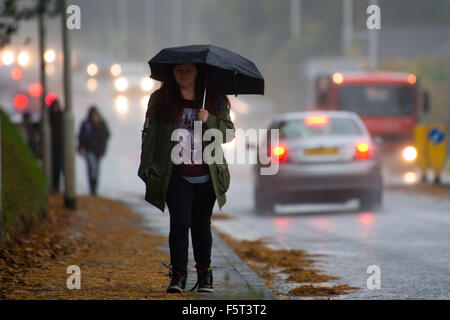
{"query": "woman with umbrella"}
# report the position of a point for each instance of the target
(190, 189)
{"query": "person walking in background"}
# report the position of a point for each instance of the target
(93, 137)
(56, 123)
(32, 133)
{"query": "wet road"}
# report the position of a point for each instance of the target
(408, 239)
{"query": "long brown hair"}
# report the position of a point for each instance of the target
(168, 107)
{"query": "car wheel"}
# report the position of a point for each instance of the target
(371, 200)
(263, 203)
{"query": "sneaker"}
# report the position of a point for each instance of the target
(205, 280)
(177, 284)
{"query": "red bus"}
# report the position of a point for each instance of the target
(388, 104)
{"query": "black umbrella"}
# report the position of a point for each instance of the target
(226, 70)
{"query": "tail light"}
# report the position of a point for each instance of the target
(363, 151)
(20, 101)
(279, 153)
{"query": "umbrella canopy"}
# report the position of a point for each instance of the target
(226, 70)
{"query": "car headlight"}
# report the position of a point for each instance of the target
(121, 104)
(409, 153)
(410, 177)
(147, 84)
(121, 84)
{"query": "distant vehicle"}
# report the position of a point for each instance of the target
(134, 78)
(325, 156)
(125, 77)
(388, 104)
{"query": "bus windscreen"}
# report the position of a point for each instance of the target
(376, 100)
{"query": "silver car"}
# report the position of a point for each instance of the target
(323, 156)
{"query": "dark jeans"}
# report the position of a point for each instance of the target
(57, 163)
(93, 166)
(190, 206)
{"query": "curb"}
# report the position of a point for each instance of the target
(253, 281)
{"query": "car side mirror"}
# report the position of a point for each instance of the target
(426, 101)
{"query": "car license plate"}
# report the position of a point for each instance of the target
(322, 151)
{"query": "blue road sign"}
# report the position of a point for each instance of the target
(436, 136)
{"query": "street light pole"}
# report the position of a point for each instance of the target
(295, 17)
(373, 44)
(68, 118)
(44, 124)
(123, 31)
(347, 26)
(176, 23)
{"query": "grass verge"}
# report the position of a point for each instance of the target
(24, 185)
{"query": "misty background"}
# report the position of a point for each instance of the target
(414, 36)
(283, 38)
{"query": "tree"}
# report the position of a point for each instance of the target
(14, 11)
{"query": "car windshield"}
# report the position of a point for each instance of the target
(299, 128)
(376, 100)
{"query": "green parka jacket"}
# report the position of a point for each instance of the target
(155, 168)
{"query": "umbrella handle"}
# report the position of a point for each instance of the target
(234, 83)
(204, 91)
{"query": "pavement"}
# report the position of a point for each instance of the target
(233, 279)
